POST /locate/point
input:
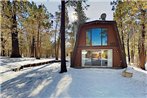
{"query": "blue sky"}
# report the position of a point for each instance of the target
(97, 7)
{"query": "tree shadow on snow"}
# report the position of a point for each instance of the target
(33, 84)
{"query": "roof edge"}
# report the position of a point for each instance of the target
(100, 21)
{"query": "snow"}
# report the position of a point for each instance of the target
(45, 82)
(18, 62)
(7, 64)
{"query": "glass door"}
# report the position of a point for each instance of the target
(99, 58)
(96, 58)
(104, 59)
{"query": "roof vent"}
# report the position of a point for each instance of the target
(103, 16)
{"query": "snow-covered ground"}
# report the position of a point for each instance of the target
(18, 62)
(45, 82)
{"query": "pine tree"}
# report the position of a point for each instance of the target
(63, 60)
(130, 17)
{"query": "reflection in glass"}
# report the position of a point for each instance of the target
(95, 58)
(104, 57)
(88, 58)
(88, 38)
(96, 37)
(104, 36)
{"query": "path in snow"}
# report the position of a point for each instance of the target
(45, 82)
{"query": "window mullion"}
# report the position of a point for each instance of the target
(101, 36)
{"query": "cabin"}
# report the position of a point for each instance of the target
(98, 44)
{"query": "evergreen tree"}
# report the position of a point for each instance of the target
(131, 19)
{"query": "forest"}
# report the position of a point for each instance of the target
(131, 18)
(29, 30)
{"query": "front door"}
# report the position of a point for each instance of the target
(100, 57)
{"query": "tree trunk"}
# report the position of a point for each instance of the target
(3, 50)
(141, 47)
(8, 52)
(133, 50)
(56, 57)
(14, 34)
(40, 49)
(132, 56)
(2, 45)
(33, 47)
(128, 49)
(62, 31)
(38, 46)
(122, 39)
(58, 47)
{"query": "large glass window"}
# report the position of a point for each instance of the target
(97, 57)
(96, 37)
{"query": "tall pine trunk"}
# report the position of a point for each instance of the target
(122, 37)
(14, 34)
(128, 48)
(56, 55)
(58, 46)
(2, 45)
(133, 51)
(132, 56)
(62, 31)
(141, 47)
(38, 43)
(33, 47)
